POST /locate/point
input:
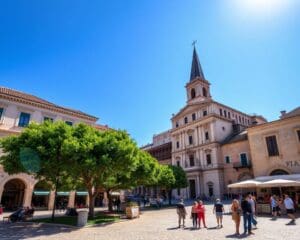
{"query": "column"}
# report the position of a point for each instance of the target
(1, 192)
(71, 201)
(27, 196)
(212, 131)
(105, 199)
(198, 189)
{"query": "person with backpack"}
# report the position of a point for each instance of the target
(181, 212)
(219, 210)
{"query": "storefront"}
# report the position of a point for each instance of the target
(266, 186)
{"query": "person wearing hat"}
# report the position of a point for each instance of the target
(219, 210)
(181, 212)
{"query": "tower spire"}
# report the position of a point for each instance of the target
(196, 70)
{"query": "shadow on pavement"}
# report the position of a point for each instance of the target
(237, 236)
(19, 231)
(173, 228)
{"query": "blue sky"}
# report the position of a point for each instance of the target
(127, 62)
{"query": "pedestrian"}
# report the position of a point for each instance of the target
(219, 210)
(274, 206)
(194, 214)
(201, 214)
(290, 209)
(247, 211)
(236, 215)
(181, 211)
(252, 202)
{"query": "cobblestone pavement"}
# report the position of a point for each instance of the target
(157, 225)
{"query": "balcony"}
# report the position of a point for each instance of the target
(238, 165)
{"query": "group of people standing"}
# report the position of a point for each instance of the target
(245, 208)
(198, 213)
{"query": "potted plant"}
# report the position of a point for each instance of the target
(132, 210)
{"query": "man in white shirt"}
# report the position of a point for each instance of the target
(290, 209)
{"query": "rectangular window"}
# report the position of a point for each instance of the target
(176, 124)
(272, 146)
(48, 119)
(1, 112)
(192, 161)
(190, 140)
(227, 159)
(185, 120)
(208, 159)
(221, 112)
(178, 163)
(194, 116)
(204, 113)
(206, 136)
(69, 123)
(24, 119)
(240, 120)
(229, 115)
(177, 144)
(243, 158)
(298, 133)
(225, 113)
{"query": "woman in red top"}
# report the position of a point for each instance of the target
(201, 214)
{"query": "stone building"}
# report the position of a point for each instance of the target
(275, 146)
(17, 110)
(160, 149)
(198, 131)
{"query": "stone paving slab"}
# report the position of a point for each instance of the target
(152, 225)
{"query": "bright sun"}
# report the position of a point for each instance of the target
(265, 7)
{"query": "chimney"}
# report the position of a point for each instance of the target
(283, 112)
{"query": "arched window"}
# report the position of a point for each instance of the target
(279, 172)
(204, 92)
(193, 93)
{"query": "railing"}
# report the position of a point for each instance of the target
(242, 165)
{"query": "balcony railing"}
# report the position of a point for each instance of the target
(238, 165)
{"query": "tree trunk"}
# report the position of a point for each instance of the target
(54, 205)
(91, 203)
(170, 197)
(110, 202)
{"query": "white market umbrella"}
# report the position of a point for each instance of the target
(245, 184)
(280, 183)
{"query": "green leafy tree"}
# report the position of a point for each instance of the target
(38, 150)
(172, 177)
(100, 158)
(145, 173)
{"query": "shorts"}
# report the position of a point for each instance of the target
(219, 214)
(274, 209)
(290, 211)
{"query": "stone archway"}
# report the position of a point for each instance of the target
(278, 172)
(13, 194)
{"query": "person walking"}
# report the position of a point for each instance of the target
(201, 214)
(274, 206)
(236, 215)
(219, 210)
(290, 208)
(194, 214)
(252, 202)
(247, 211)
(181, 211)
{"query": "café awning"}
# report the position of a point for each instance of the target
(245, 184)
(81, 193)
(280, 183)
(63, 193)
(41, 193)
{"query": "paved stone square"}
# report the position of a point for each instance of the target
(154, 224)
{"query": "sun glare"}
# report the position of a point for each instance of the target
(263, 7)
